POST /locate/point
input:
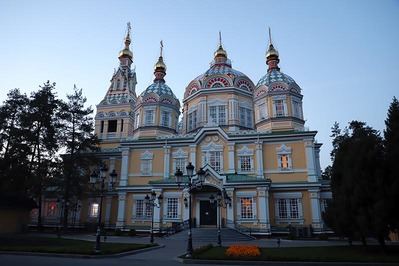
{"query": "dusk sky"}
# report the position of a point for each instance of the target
(343, 54)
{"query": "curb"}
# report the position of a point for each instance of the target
(271, 263)
(67, 255)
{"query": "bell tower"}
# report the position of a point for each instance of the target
(114, 113)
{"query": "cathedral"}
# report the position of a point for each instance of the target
(247, 142)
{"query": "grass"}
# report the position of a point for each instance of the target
(327, 254)
(60, 245)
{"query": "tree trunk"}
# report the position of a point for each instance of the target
(39, 215)
(364, 241)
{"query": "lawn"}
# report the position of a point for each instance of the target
(60, 245)
(330, 254)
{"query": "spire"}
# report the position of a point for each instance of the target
(125, 55)
(220, 55)
(160, 67)
(272, 59)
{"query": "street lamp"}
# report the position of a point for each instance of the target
(152, 201)
(191, 183)
(99, 180)
(222, 200)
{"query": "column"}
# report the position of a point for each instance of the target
(310, 161)
(166, 161)
(316, 212)
(120, 222)
(157, 211)
(193, 151)
(259, 159)
(230, 209)
(201, 112)
(123, 181)
(263, 205)
(108, 205)
(231, 169)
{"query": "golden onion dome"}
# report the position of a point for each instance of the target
(160, 64)
(126, 52)
(271, 51)
(220, 52)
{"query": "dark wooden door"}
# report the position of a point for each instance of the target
(208, 213)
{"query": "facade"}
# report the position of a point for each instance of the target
(250, 140)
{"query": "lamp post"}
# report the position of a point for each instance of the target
(152, 201)
(99, 181)
(191, 183)
(222, 200)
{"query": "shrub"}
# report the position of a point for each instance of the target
(323, 237)
(243, 251)
(203, 249)
(118, 232)
(132, 232)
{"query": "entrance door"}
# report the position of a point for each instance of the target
(208, 213)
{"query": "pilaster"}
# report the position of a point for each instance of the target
(166, 161)
(230, 209)
(193, 152)
(263, 214)
(310, 160)
(231, 155)
(317, 222)
(124, 167)
(259, 159)
(120, 222)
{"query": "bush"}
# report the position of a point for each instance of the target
(132, 232)
(202, 249)
(118, 232)
(323, 237)
(243, 251)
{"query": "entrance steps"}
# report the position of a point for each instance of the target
(209, 235)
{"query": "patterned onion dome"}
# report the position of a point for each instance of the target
(276, 81)
(159, 88)
(220, 75)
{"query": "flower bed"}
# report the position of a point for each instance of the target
(243, 251)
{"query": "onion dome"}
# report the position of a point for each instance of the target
(158, 91)
(275, 80)
(220, 75)
(125, 52)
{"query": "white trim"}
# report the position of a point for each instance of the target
(287, 195)
(179, 154)
(243, 194)
(147, 155)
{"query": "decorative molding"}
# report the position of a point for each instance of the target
(180, 153)
(245, 151)
(147, 155)
(283, 149)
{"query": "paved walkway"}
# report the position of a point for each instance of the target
(174, 246)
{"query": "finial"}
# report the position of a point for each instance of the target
(220, 38)
(270, 37)
(128, 29)
(161, 49)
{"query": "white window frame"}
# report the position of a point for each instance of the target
(246, 116)
(192, 120)
(146, 163)
(262, 111)
(297, 107)
(181, 155)
(217, 121)
(282, 151)
(293, 206)
(172, 208)
(246, 195)
(283, 100)
(167, 117)
(210, 150)
(147, 112)
(242, 153)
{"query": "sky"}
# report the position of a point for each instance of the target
(343, 54)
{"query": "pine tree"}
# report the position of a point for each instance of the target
(391, 147)
(43, 123)
(356, 183)
(14, 172)
(79, 141)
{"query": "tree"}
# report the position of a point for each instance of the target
(79, 142)
(391, 147)
(43, 124)
(357, 208)
(14, 172)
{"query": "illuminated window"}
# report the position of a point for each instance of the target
(284, 161)
(94, 208)
(51, 209)
(247, 208)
